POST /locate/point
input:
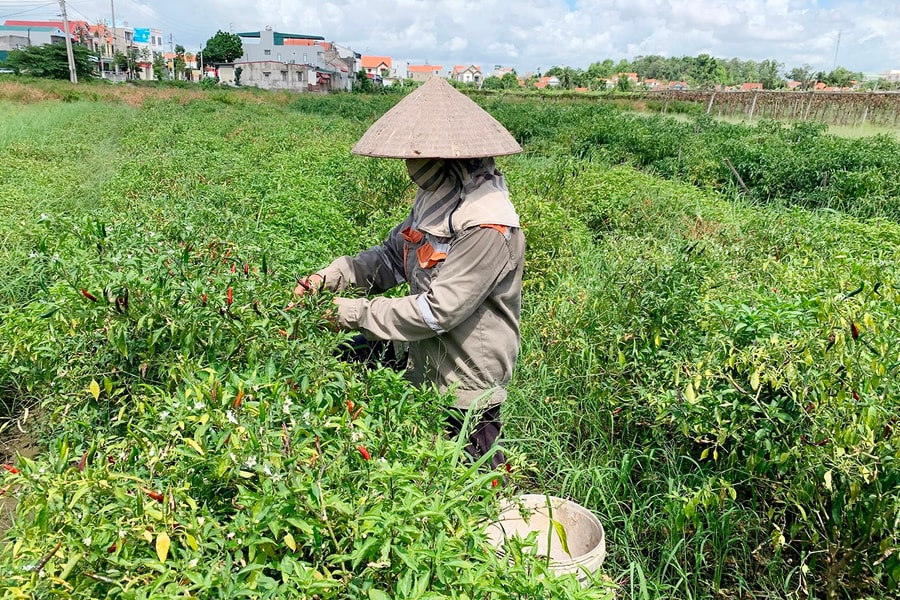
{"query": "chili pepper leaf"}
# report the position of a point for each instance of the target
(162, 546)
(95, 389)
(563, 538)
(289, 542)
(689, 394)
(192, 542)
(190, 442)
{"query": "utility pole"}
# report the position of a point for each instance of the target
(837, 47)
(112, 8)
(73, 75)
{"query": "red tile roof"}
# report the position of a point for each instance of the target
(425, 68)
(460, 68)
(373, 62)
(296, 42)
(73, 25)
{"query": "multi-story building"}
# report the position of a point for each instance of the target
(377, 68)
(467, 74)
(290, 61)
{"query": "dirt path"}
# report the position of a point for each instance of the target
(17, 440)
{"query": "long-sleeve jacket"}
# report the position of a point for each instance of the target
(461, 318)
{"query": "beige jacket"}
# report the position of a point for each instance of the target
(461, 318)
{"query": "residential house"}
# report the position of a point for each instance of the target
(271, 75)
(335, 58)
(377, 68)
(13, 37)
(467, 74)
(678, 85)
(499, 71)
(423, 72)
(269, 45)
(191, 61)
(892, 76)
(632, 78)
(275, 60)
(751, 87)
(547, 81)
(653, 84)
(148, 42)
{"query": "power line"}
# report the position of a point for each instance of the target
(15, 14)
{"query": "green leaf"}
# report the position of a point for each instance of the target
(378, 595)
(754, 380)
(95, 389)
(563, 538)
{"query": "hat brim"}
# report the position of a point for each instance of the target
(436, 121)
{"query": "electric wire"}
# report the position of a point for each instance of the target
(15, 14)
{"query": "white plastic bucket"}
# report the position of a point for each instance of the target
(583, 531)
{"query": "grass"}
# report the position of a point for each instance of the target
(845, 131)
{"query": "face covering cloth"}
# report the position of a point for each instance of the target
(457, 194)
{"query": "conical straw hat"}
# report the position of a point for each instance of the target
(436, 121)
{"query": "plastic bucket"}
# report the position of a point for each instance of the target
(584, 535)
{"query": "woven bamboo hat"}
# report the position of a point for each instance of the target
(436, 121)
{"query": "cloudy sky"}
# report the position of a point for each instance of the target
(534, 35)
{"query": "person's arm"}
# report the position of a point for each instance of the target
(372, 271)
(474, 265)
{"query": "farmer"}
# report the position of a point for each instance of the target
(460, 249)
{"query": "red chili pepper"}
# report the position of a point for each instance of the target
(855, 396)
(88, 295)
(495, 483)
(233, 267)
(363, 452)
(111, 549)
(237, 401)
(230, 297)
(508, 467)
(203, 298)
(246, 268)
(854, 330)
(155, 495)
(349, 406)
(11, 469)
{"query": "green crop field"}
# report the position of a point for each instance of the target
(709, 357)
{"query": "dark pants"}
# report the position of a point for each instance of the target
(371, 352)
(483, 435)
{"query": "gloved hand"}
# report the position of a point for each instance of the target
(309, 284)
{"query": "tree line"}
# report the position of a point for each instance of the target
(699, 72)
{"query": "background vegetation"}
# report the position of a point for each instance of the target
(708, 366)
